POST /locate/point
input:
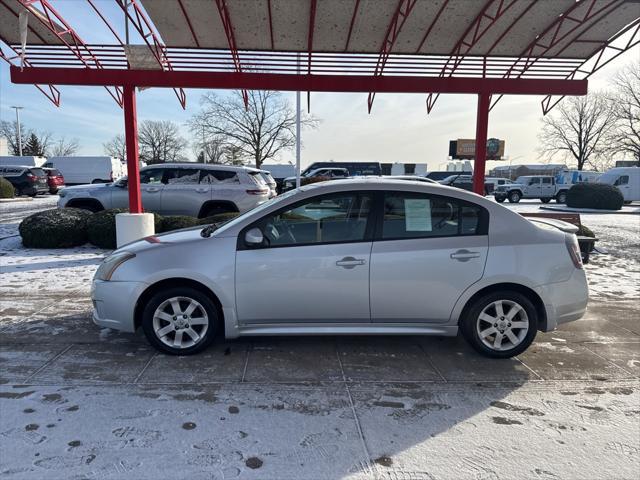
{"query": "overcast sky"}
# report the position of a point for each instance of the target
(398, 129)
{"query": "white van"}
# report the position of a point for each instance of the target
(82, 170)
(27, 161)
(627, 179)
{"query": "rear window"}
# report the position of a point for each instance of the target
(53, 172)
(257, 177)
(38, 172)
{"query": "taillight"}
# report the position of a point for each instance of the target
(262, 191)
(32, 178)
(571, 241)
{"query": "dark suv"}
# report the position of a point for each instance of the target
(26, 180)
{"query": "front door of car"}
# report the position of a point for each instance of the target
(532, 188)
(428, 250)
(313, 266)
(623, 185)
(151, 187)
(183, 194)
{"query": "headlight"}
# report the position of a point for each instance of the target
(62, 193)
(109, 265)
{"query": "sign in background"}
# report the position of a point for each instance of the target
(465, 149)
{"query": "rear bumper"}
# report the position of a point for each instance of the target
(114, 303)
(566, 301)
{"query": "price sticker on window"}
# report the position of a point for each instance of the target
(417, 214)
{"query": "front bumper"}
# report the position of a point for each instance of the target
(565, 301)
(114, 303)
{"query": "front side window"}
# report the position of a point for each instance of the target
(416, 215)
(334, 218)
(623, 180)
(534, 181)
(151, 175)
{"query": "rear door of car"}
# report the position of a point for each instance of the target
(547, 188)
(427, 250)
(183, 194)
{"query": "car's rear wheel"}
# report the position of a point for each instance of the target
(561, 197)
(514, 197)
(180, 321)
(500, 324)
(500, 199)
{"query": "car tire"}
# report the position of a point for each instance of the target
(545, 200)
(514, 197)
(561, 197)
(500, 199)
(488, 322)
(173, 332)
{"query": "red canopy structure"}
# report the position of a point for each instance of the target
(489, 48)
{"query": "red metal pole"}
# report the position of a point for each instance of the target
(131, 137)
(482, 121)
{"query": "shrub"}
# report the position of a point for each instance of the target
(220, 218)
(595, 195)
(58, 228)
(585, 232)
(176, 222)
(101, 227)
(6, 189)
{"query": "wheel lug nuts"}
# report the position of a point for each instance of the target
(495, 324)
(184, 316)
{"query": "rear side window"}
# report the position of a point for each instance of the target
(546, 180)
(219, 176)
(416, 215)
(181, 176)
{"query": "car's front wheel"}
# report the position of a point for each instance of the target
(500, 199)
(500, 324)
(545, 200)
(514, 197)
(180, 321)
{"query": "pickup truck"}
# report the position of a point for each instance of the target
(534, 186)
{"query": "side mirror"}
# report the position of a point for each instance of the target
(253, 237)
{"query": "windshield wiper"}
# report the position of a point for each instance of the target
(209, 229)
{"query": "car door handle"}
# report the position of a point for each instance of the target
(152, 189)
(202, 190)
(350, 262)
(464, 255)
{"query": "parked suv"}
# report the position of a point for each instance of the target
(178, 189)
(327, 173)
(25, 180)
(543, 187)
(55, 180)
(465, 182)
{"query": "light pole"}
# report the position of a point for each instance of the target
(17, 109)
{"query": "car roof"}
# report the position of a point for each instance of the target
(18, 166)
(216, 166)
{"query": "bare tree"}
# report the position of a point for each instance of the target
(625, 101)
(578, 130)
(9, 130)
(209, 149)
(64, 148)
(116, 147)
(160, 141)
(259, 132)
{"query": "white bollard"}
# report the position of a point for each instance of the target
(133, 226)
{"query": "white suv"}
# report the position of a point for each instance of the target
(194, 189)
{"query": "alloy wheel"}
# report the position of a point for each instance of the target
(180, 322)
(502, 325)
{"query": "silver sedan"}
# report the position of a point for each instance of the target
(370, 256)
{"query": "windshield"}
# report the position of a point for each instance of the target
(259, 208)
